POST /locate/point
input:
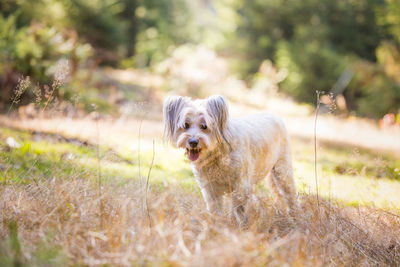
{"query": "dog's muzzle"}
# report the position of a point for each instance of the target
(193, 151)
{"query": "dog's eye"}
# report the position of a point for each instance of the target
(186, 125)
(203, 126)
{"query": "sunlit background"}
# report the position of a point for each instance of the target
(348, 48)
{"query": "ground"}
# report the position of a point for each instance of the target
(104, 190)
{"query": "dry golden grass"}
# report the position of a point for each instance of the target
(59, 220)
(67, 214)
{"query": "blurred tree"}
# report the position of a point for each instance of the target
(162, 25)
(346, 26)
(389, 18)
(98, 23)
(32, 48)
(132, 30)
(316, 40)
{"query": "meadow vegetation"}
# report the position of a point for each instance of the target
(67, 201)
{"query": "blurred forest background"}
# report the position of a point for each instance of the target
(348, 48)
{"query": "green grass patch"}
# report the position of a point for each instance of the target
(350, 175)
(44, 159)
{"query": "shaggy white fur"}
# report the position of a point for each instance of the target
(229, 156)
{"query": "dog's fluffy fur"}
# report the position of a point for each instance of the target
(230, 155)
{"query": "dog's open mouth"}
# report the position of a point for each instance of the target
(193, 153)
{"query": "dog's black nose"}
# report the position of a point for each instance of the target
(193, 142)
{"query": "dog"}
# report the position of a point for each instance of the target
(230, 155)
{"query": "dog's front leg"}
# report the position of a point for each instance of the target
(212, 198)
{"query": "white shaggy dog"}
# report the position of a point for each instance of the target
(230, 155)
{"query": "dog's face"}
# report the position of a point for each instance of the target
(197, 126)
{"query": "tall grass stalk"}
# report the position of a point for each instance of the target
(315, 145)
(139, 161)
(147, 185)
(23, 85)
(49, 94)
(100, 189)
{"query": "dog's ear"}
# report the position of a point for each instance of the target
(171, 109)
(218, 110)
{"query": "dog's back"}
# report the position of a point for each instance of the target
(263, 139)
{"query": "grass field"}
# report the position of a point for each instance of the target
(89, 190)
(69, 202)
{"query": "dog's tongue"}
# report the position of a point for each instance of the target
(193, 155)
